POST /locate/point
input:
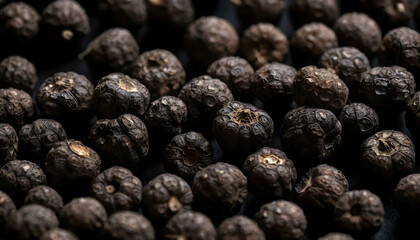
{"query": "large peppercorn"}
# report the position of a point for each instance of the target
(359, 212)
(239, 227)
(306, 11)
(176, 13)
(117, 94)
(387, 88)
(127, 225)
(281, 220)
(67, 97)
(210, 38)
(160, 71)
(8, 143)
(117, 189)
(165, 195)
(336, 236)
(122, 141)
(17, 72)
(241, 128)
(406, 195)
(318, 87)
(124, 13)
(7, 211)
(58, 233)
(270, 171)
(412, 114)
(311, 135)
(358, 121)
(264, 43)
(360, 31)
(16, 107)
(390, 12)
(189, 225)
(45, 196)
(187, 154)
(255, 11)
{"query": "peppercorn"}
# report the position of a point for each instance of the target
(166, 195)
(123, 13)
(336, 236)
(121, 141)
(406, 195)
(210, 38)
(171, 12)
(189, 225)
(117, 189)
(84, 216)
(281, 219)
(160, 71)
(270, 171)
(16, 107)
(187, 154)
(412, 114)
(359, 212)
(241, 129)
(359, 30)
(264, 43)
(117, 94)
(58, 233)
(127, 225)
(17, 72)
(239, 227)
(390, 13)
(306, 11)
(7, 211)
(66, 97)
(45, 196)
(318, 87)
(9, 143)
(255, 11)
(310, 135)
(358, 121)
(37, 138)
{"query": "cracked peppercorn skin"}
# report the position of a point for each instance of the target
(239, 227)
(358, 121)
(412, 113)
(124, 13)
(8, 143)
(17, 72)
(174, 13)
(406, 195)
(255, 11)
(200, 227)
(58, 233)
(7, 210)
(127, 225)
(306, 11)
(16, 107)
(45, 196)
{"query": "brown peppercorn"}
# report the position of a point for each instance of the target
(336, 236)
(264, 43)
(306, 11)
(45, 196)
(255, 11)
(390, 13)
(9, 143)
(16, 107)
(358, 121)
(58, 234)
(17, 72)
(176, 13)
(7, 211)
(127, 225)
(412, 114)
(406, 195)
(210, 38)
(189, 225)
(124, 13)
(239, 227)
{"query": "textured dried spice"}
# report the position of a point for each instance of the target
(321, 187)
(58, 233)
(256, 11)
(359, 212)
(124, 13)
(412, 113)
(165, 195)
(160, 71)
(188, 153)
(264, 43)
(358, 121)
(390, 12)
(239, 227)
(8, 143)
(189, 225)
(336, 236)
(127, 225)
(242, 128)
(310, 134)
(306, 11)
(117, 189)
(270, 171)
(360, 31)
(210, 38)
(122, 141)
(45, 196)
(318, 87)
(16, 107)
(17, 72)
(7, 210)
(406, 195)
(176, 13)
(117, 94)
(281, 220)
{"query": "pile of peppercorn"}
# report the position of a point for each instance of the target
(209, 119)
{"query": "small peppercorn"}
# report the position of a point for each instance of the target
(45, 196)
(412, 114)
(7, 211)
(264, 43)
(187, 154)
(239, 227)
(176, 13)
(256, 11)
(117, 94)
(9, 143)
(124, 13)
(210, 38)
(189, 225)
(306, 11)
(390, 12)
(160, 71)
(407, 195)
(117, 189)
(17, 72)
(336, 236)
(58, 233)
(127, 225)
(281, 220)
(358, 121)
(16, 107)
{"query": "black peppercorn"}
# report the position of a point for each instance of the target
(412, 114)
(239, 227)
(117, 94)
(306, 11)
(117, 189)
(84, 216)
(318, 87)
(407, 195)
(171, 12)
(127, 225)
(336, 236)
(281, 220)
(358, 121)
(189, 225)
(310, 135)
(359, 212)
(264, 43)
(8, 143)
(255, 11)
(241, 128)
(58, 233)
(17, 72)
(7, 211)
(359, 30)
(124, 13)
(270, 171)
(45, 196)
(210, 38)
(16, 107)
(187, 154)
(165, 195)
(160, 71)
(66, 97)
(122, 141)
(390, 12)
